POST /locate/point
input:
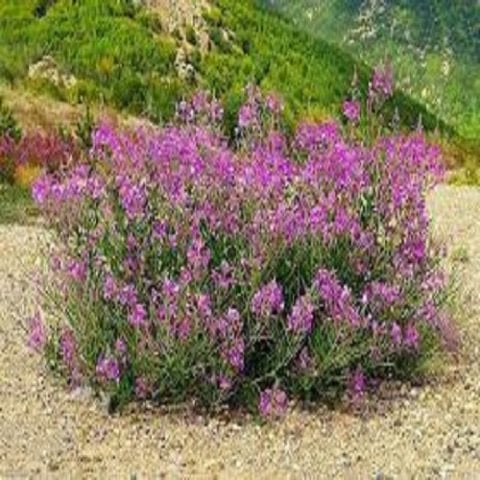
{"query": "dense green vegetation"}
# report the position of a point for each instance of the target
(434, 46)
(114, 54)
(313, 75)
(119, 55)
(16, 205)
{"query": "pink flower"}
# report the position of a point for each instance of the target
(77, 270)
(137, 316)
(382, 80)
(357, 384)
(127, 295)
(224, 383)
(41, 189)
(273, 403)
(273, 103)
(142, 388)
(411, 337)
(300, 319)
(108, 369)
(68, 353)
(121, 348)
(396, 334)
(351, 110)
(235, 354)
(304, 361)
(37, 333)
(268, 300)
(337, 298)
(110, 288)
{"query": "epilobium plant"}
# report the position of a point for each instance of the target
(278, 268)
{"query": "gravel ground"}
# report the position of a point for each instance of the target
(424, 432)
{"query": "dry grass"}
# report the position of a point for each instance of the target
(36, 112)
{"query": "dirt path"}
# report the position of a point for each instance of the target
(47, 432)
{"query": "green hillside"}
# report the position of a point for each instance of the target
(434, 46)
(118, 53)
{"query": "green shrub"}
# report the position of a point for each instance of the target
(102, 44)
(42, 6)
(151, 21)
(213, 16)
(195, 59)
(217, 36)
(9, 126)
(114, 49)
(191, 35)
(16, 205)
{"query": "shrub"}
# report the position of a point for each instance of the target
(191, 35)
(42, 7)
(33, 153)
(251, 44)
(8, 124)
(217, 36)
(279, 267)
(213, 16)
(7, 160)
(16, 204)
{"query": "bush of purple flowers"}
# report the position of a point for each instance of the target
(278, 267)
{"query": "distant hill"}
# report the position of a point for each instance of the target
(434, 46)
(144, 56)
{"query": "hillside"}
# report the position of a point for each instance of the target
(434, 46)
(142, 57)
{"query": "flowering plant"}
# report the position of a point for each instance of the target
(42, 151)
(280, 267)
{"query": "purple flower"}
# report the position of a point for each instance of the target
(132, 196)
(337, 298)
(121, 348)
(41, 189)
(396, 334)
(381, 295)
(77, 270)
(411, 337)
(233, 318)
(37, 336)
(300, 319)
(142, 388)
(110, 288)
(183, 328)
(382, 80)
(198, 255)
(68, 352)
(304, 361)
(223, 277)
(247, 116)
(224, 383)
(128, 295)
(268, 300)
(351, 110)
(108, 369)
(137, 316)
(170, 289)
(204, 305)
(236, 354)
(273, 104)
(273, 403)
(357, 384)
(160, 229)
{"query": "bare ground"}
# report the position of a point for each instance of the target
(427, 432)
